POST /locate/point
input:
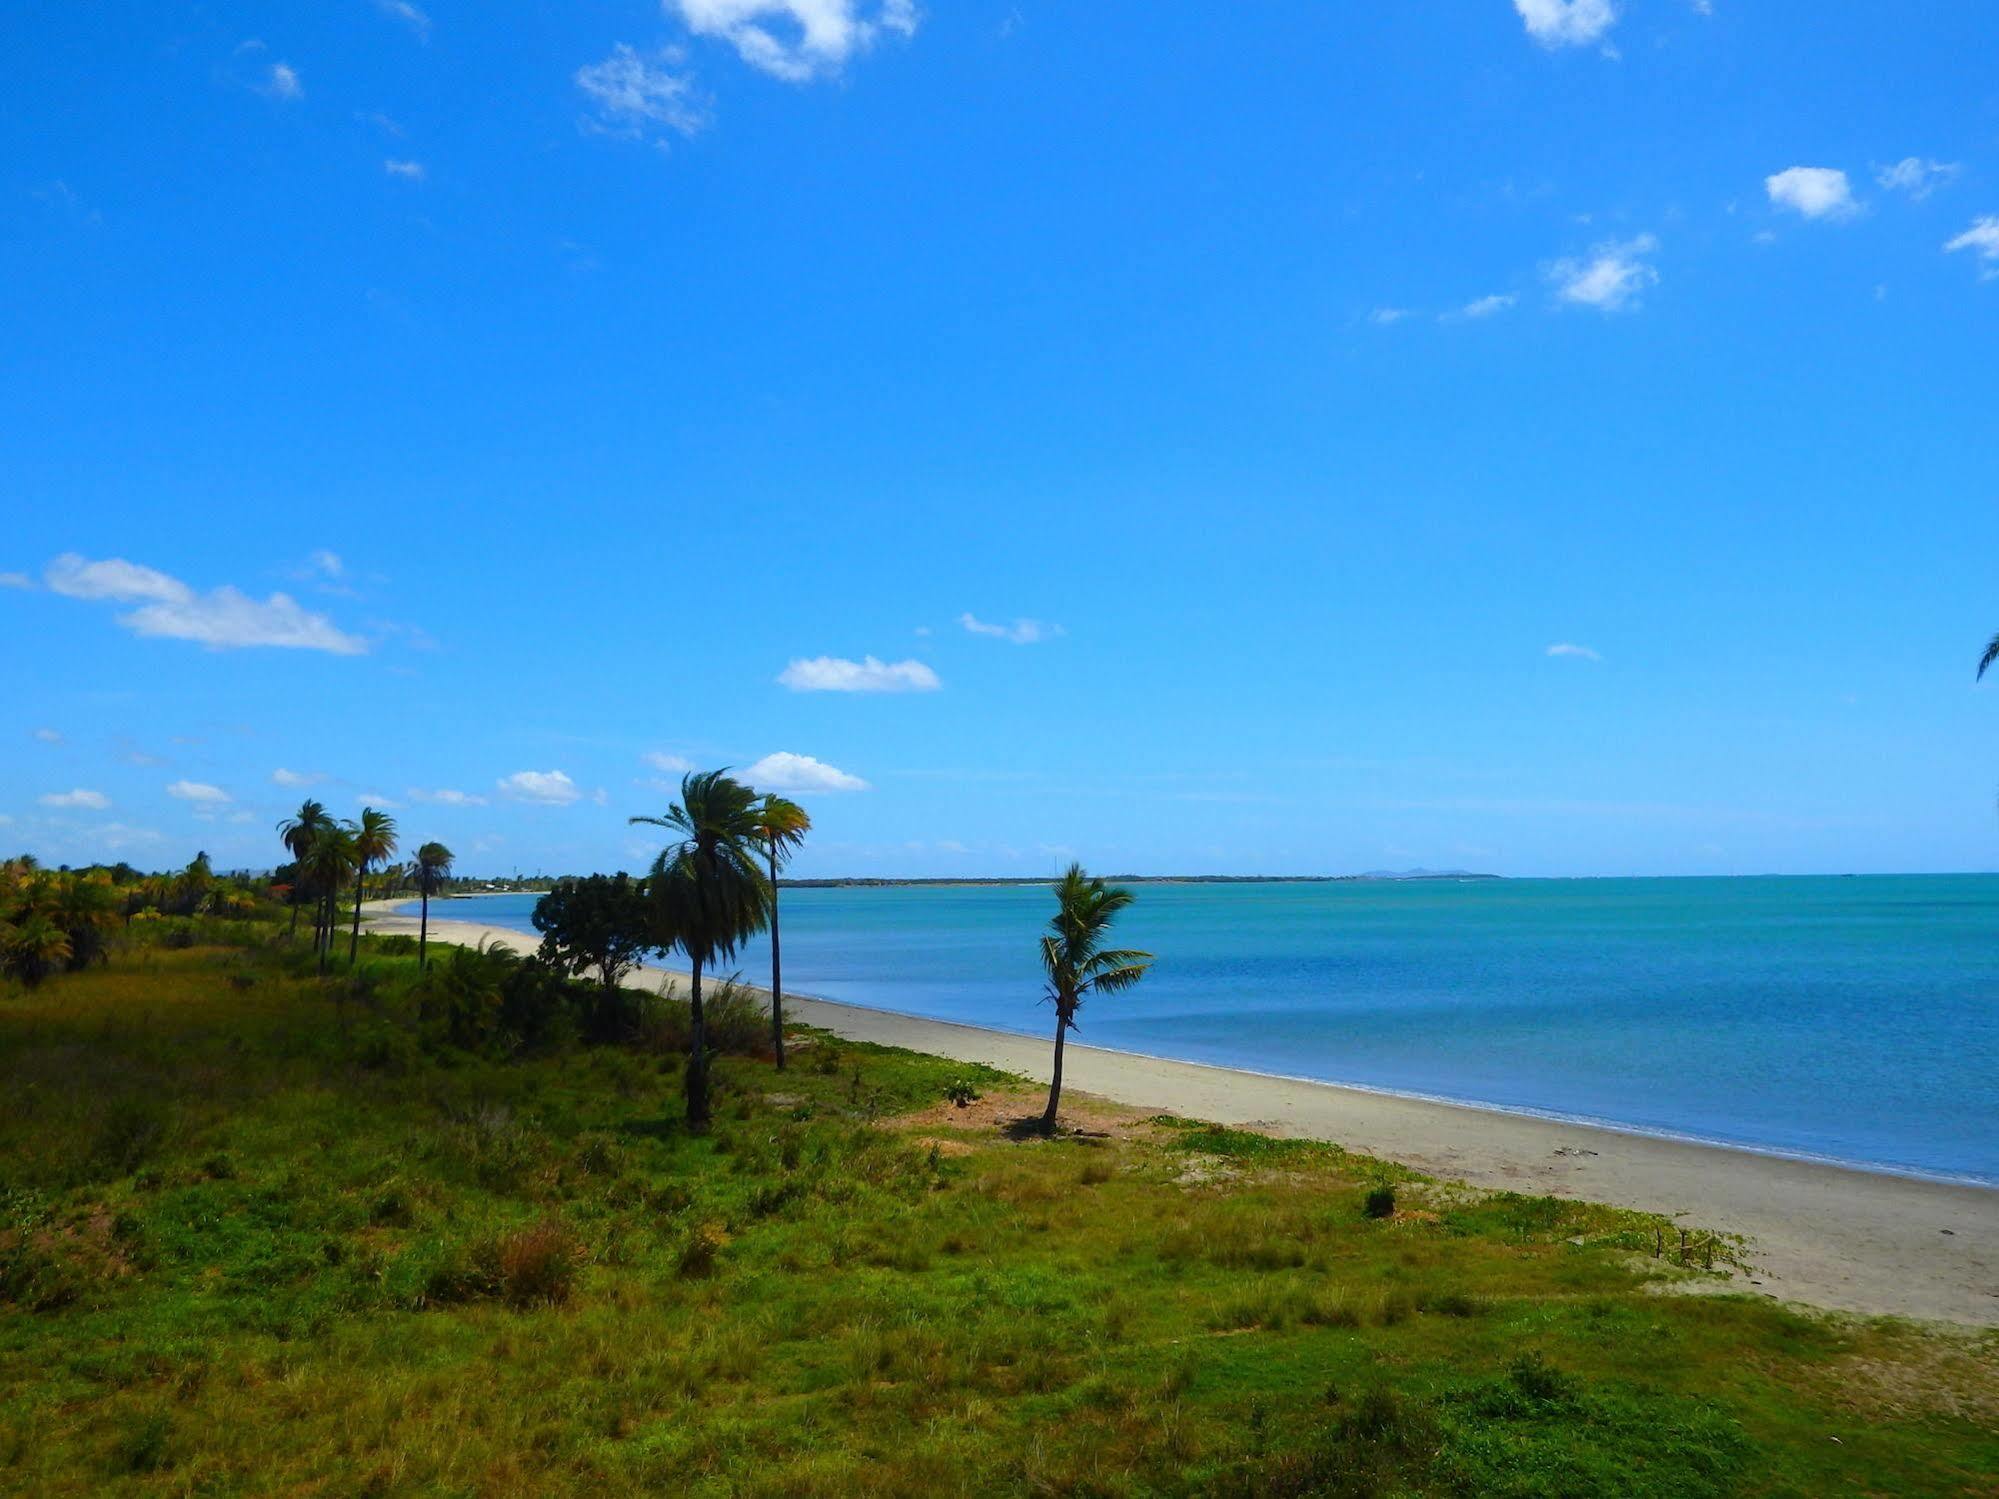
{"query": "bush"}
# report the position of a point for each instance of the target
(961, 1093)
(537, 1266)
(1380, 1202)
(699, 1253)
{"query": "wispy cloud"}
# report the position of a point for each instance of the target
(16, 580)
(95, 801)
(1611, 278)
(49, 736)
(636, 96)
(1020, 632)
(1982, 240)
(1566, 23)
(198, 791)
(444, 796)
(1388, 317)
(1916, 177)
(671, 764)
(293, 780)
(281, 81)
(1815, 192)
(836, 674)
(409, 171)
(797, 40)
(550, 788)
(408, 14)
(1579, 652)
(222, 619)
(1484, 307)
(785, 771)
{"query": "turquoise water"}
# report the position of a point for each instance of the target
(1855, 1019)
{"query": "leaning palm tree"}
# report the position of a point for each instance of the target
(329, 860)
(1078, 963)
(781, 828)
(709, 896)
(374, 840)
(1991, 655)
(431, 869)
(297, 832)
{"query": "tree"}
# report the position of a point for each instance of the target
(328, 860)
(1991, 655)
(297, 833)
(603, 923)
(708, 896)
(374, 840)
(431, 869)
(781, 826)
(1077, 962)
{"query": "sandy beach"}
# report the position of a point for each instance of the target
(1826, 1236)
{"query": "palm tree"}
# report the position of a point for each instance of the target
(329, 859)
(1078, 963)
(782, 826)
(709, 896)
(1991, 655)
(431, 869)
(374, 840)
(297, 833)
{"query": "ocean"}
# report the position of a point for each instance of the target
(1847, 1019)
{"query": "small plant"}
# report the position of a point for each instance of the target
(699, 1253)
(537, 1266)
(962, 1094)
(1380, 1202)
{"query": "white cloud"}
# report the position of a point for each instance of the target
(198, 791)
(797, 40)
(1610, 278)
(1916, 177)
(1580, 652)
(1982, 239)
(408, 14)
(444, 796)
(785, 771)
(1566, 23)
(1486, 306)
(49, 736)
(409, 171)
(114, 836)
(551, 788)
(635, 96)
(1387, 317)
(1020, 632)
(295, 778)
(96, 801)
(222, 619)
(16, 580)
(836, 674)
(671, 764)
(281, 81)
(1815, 192)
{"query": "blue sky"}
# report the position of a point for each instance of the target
(1550, 438)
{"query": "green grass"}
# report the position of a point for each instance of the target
(253, 1239)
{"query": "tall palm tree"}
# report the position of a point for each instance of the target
(329, 860)
(297, 832)
(709, 896)
(374, 840)
(781, 827)
(1077, 962)
(431, 869)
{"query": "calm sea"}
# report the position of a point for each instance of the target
(1855, 1019)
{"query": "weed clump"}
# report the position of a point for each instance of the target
(1379, 1202)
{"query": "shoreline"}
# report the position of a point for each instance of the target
(1837, 1235)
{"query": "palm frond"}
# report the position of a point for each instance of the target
(1991, 655)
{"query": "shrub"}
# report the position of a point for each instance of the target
(537, 1266)
(1380, 1202)
(700, 1252)
(961, 1093)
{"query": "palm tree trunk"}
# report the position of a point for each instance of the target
(697, 1058)
(423, 933)
(776, 968)
(323, 931)
(292, 934)
(360, 888)
(1055, 1083)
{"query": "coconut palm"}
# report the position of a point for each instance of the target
(781, 828)
(296, 832)
(1991, 655)
(329, 859)
(1077, 962)
(708, 895)
(374, 840)
(428, 873)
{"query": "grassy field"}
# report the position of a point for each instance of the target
(257, 1235)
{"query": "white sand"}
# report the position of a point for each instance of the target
(1828, 1236)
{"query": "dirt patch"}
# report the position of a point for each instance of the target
(943, 1146)
(1928, 1378)
(1011, 1113)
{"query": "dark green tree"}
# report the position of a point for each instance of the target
(603, 924)
(297, 832)
(1078, 964)
(429, 871)
(708, 896)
